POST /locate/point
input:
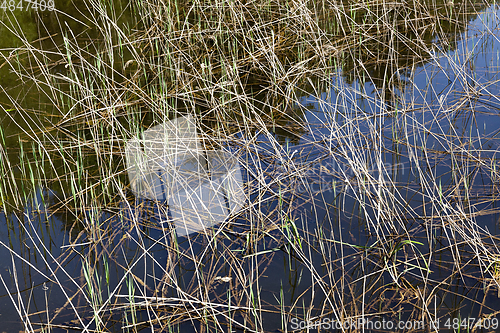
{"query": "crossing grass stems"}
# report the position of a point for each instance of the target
(243, 69)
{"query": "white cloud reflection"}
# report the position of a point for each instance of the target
(202, 188)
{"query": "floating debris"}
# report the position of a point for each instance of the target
(225, 279)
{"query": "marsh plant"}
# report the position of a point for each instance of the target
(363, 130)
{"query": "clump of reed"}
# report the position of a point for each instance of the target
(250, 71)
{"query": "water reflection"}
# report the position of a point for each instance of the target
(203, 187)
(167, 163)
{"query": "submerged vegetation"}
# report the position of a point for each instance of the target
(363, 129)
